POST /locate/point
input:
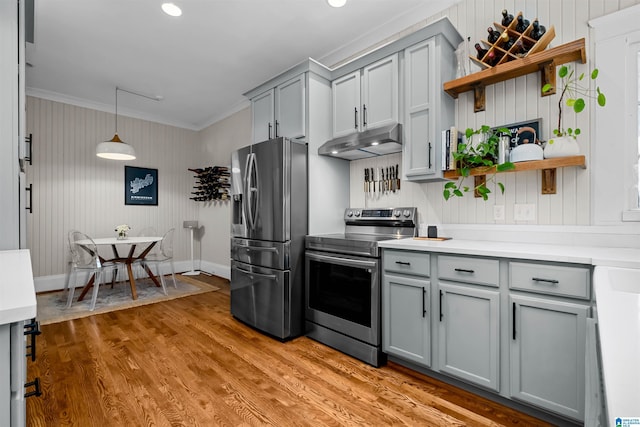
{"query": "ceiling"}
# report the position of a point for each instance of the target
(202, 62)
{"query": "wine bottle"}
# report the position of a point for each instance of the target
(493, 35)
(507, 18)
(537, 31)
(481, 52)
(519, 49)
(522, 24)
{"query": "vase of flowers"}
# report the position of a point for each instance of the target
(121, 231)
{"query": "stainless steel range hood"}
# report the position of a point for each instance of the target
(361, 145)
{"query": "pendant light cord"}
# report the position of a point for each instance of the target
(116, 109)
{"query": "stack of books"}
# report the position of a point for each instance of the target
(450, 139)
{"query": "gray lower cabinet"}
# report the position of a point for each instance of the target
(469, 334)
(405, 318)
(547, 354)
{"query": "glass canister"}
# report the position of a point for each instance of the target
(503, 149)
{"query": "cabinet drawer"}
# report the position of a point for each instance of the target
(550, 279)
(481, 271)
(407, 262)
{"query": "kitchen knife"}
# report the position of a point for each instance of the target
(373, 179)
(393, 179)
(380, 180)
(397, 178)
(366, 178)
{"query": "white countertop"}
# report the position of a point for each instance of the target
(17, 293)
(617, 292)
(611, 257)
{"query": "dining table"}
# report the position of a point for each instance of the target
(127, 260)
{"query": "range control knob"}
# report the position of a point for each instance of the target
(349, 214)
(406, 213)
(397, 212)
(357, 213)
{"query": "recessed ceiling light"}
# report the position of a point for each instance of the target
(337, 3)
(171, 9)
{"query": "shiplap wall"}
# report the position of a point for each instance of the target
(74, 189)
(508, 102)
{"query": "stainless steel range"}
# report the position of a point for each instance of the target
(342, 280)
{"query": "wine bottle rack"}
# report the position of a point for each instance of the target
(212, 183)
(521, 40)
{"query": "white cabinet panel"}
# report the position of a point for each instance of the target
(346, 104)
(380, 93)
(280, 111)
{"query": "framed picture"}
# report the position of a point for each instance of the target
(140, 186)
(523, 131)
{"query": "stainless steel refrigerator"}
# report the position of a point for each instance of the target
(268, 226)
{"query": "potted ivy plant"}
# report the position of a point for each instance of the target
(479, 152)
(574, 89)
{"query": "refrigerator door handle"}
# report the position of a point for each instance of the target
(251, 190)
(251, 273)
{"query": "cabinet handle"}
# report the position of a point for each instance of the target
(32, 329)
(403, 263)
(551, 281)
(269, 130)
(36, 385)
(277, 128)
(29, 142)
(464, 270)
(514, 321)
(441, 305)
(429, 155)
(30, 190)
(364, 115)
(355, 117)
(424, 306)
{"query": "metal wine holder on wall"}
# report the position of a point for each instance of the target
(212, 183)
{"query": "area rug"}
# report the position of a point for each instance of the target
(52, 305)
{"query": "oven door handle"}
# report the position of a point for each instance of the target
(342, 260)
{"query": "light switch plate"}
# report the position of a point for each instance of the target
(524, 212)
(498, 213)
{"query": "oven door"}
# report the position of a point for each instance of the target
(343, 294)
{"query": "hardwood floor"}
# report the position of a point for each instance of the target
(188, 362)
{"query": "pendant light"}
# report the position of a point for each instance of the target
(115, 148)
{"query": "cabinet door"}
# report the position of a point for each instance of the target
(380, 93)
(290, 108)
(469, 339)
(5, 375)
(346, 104)
(262, 108)
(548, 354)
(406, 330)
(420, 144)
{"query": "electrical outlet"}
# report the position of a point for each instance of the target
(524, 212)
(498, 213)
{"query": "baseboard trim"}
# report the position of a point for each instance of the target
(56, 282)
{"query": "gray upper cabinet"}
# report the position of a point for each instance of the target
(280, 111)
(469, 339)
(366, 98)
(427, 108)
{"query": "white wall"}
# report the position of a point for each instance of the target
(74, 189)
(509, 102)
(218, 142)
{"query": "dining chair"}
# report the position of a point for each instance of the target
(163, 255)
(84, 257)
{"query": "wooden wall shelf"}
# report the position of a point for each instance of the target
(548, 167)
(545, 62)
